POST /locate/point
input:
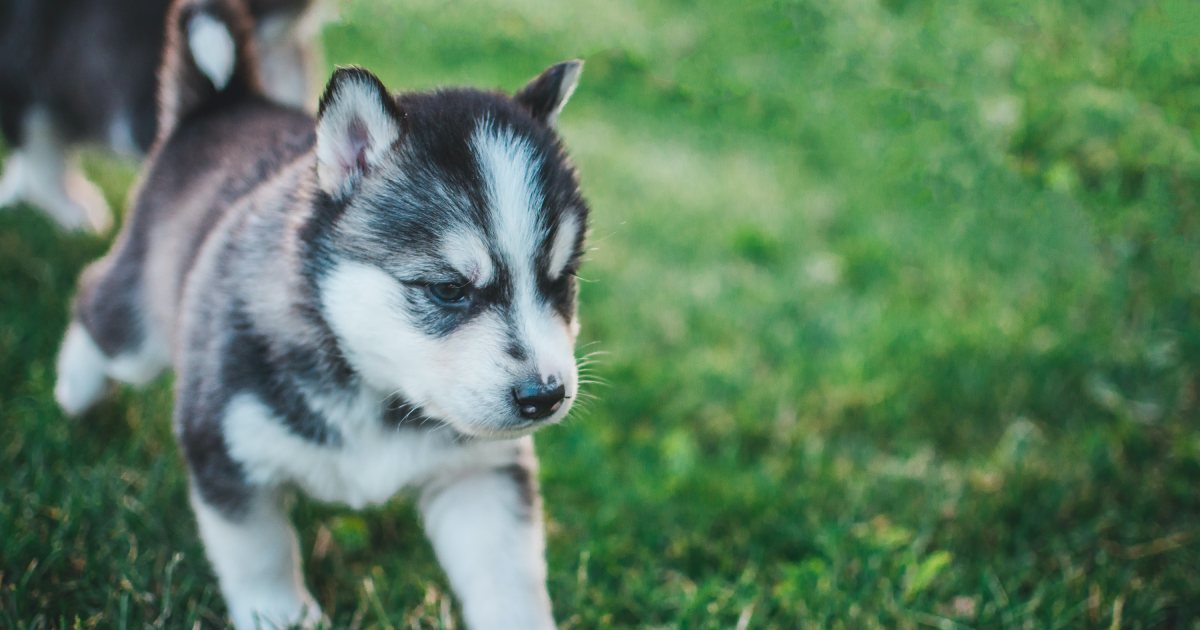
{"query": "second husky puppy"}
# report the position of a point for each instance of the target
(380, 299)
(84, 71)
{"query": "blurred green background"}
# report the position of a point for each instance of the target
(899, 303)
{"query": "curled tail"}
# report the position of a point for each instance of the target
(208, 56)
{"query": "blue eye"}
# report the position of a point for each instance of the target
(448, 293)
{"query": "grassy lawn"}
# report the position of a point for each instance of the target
(900, 303)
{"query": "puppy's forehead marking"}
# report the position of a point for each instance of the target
(509, 170)
(467, 253)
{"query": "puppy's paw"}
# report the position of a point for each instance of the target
(281, 610)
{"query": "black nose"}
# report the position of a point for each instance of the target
(536, 400)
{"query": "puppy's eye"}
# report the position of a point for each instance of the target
(448, 293)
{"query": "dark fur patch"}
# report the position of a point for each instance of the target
(344, 74)
(89, 62)
(516, 350)
(277, 376)
(200, 406)
(262, 9)
(542, 96)
(526, 485)
(109, 305)
(214, 474)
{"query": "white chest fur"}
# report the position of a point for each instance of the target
(371, 464)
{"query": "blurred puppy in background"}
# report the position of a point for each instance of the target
(85, 71)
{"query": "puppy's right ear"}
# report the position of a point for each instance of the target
(357, 123)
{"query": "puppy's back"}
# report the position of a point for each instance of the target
(219, 138)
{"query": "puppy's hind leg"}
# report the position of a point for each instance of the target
(109, 336)
(83, 369)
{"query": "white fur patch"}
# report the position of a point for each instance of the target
(81, 371)
(364, 307)
(466, 252)
(509, 167)
(139, 368)
(551, 344)
(212, 48)
(563, 246)
(354, 123)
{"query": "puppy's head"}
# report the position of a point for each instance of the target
(451, 226)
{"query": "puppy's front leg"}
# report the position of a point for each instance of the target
(486, 528)
(256, 557)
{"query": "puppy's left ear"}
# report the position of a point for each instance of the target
(546, 94)
(358, 121)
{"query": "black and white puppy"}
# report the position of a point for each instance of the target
(84, 71)
(383, 298)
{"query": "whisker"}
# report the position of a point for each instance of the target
(595, 240)
(581, 408)
(586, 362)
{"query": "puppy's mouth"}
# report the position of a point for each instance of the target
(421, 419)
(511, 430)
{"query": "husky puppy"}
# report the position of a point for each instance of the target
(383, 298)
(83, 71)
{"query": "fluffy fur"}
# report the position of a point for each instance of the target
(379, 299)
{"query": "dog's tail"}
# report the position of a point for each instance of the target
(209, 57)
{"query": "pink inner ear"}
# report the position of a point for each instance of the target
(358, 140)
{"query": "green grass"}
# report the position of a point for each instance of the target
(901, 306)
